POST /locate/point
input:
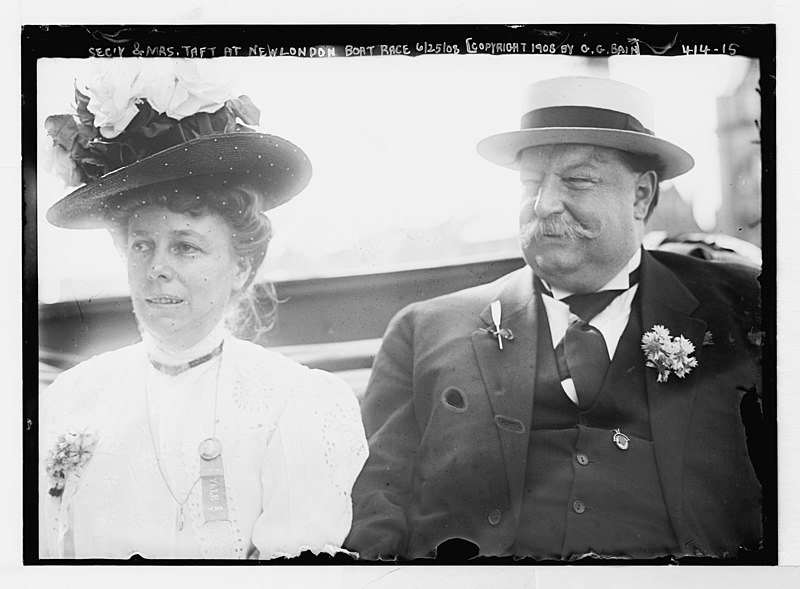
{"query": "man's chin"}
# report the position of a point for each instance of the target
(559, 271)
(553, 263)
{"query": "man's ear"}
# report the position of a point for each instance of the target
(644, 193)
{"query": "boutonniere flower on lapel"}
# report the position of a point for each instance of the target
(668, 354)
(70, 453)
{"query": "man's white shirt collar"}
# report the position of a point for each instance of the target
(611, 321)
(619, 282)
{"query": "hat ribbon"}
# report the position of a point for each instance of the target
(582, 116)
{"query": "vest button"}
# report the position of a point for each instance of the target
(494, 517)
(582, 458)
(578, 507)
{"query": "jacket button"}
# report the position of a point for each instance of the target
(578, 507)
(583, 459)
(494, 517)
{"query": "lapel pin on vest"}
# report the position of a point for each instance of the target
(621, 440)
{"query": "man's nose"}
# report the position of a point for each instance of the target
(160, 267)
(548, 200)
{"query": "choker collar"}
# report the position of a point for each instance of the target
(175, 369)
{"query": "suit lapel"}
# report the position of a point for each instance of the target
(666, 301)
(509, 374)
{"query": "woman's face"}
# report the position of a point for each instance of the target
(182, 271)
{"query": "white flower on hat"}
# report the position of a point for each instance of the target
(155, 83)
(197, 90)
(58, 161)
(181, 88)
(111, 97)
(129, 109)
(177, 88)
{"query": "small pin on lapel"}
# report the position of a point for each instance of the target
(496, 331)
(497, 315)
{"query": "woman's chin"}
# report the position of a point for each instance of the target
(176, 336)
(165, 331)
(160, 333)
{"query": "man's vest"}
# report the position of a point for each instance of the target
(584, 494)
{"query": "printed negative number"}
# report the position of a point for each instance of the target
(701, 49)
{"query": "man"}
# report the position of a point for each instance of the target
(590, 403)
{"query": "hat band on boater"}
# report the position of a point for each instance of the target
(582, 116)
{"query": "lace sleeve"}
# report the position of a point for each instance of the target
(309, 468)
(77, 401)
(65, 405)
(48, 505)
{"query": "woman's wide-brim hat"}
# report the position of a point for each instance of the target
(275, 167)
(586, 111)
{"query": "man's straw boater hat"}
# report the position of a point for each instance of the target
(118, 152)
(589, 111)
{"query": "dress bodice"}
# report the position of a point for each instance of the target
(292, 445)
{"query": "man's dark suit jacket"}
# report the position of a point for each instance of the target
(444, 404)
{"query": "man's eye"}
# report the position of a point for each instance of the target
(579, 181)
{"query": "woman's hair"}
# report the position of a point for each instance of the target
(253, 311)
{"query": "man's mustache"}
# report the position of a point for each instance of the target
(557, 226)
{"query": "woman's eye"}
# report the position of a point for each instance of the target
(187, 248)
(140, 246)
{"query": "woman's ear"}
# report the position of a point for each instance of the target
(644, 193)
(243, 268)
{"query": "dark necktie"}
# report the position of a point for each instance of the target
(583, 355)
(584, 347)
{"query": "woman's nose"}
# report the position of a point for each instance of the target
(548, 201)
(160, 269)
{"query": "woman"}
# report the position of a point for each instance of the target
(191, 443)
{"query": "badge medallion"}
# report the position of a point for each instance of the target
(210, 448)
(621, 440)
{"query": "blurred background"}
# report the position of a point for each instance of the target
(400, 206)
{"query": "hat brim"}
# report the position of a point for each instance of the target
(504, 149)
(274, 166)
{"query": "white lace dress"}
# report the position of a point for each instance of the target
(292, 446)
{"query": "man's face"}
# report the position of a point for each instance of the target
(582, 214)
